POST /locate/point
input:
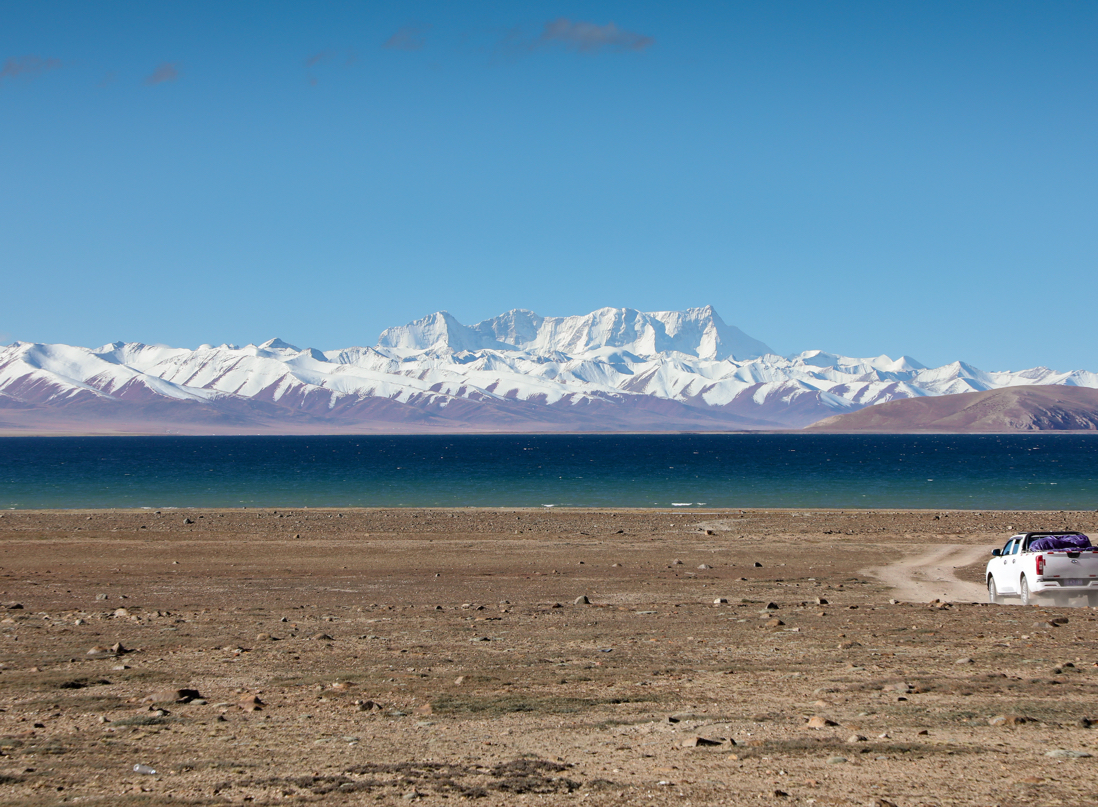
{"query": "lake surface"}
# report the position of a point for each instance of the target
(1031, 471)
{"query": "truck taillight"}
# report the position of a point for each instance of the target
(1040, 564)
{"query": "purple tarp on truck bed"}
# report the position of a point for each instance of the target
(1059, 542)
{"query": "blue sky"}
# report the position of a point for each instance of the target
(863, 178)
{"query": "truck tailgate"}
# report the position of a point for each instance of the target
(1069, 567)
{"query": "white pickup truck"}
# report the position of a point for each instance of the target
(1024, 568)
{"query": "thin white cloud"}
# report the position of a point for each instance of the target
(587, 37)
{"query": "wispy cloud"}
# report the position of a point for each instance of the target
(410, 37)
(319, 57)
(325, 57)
(587, 37)
(166, 71)
(28, 67)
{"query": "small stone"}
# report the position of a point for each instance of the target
(758, 565)
(676, 563)
(710, 532)
(965, 660)
(893, 602)
(820, 722)
(699, 742)
(922, 733)
(1084, 722)
(188, 521)
(1059, 620)
(856, 738)
(263, 637)
(99, 652)
(720, 601)
(121, 612)
(581, 600)
(771, 606)
(459, 680)
(821, 601)
(251, 703)
(774, 623)
(322, 637)
(705, 566)
(102, 597)
(411, 795)
(1063, 753)
(781, 794)
(836, 760)
(1008, 720)
(172, 696)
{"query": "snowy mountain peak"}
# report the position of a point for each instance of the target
(698, 332)
(278, 344)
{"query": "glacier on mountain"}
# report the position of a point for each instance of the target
(612, 369)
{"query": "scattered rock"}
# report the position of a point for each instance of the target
(774, 623)
(856, 738)
(13, 606)
(188, 521)
(821, 601)
(581, 600)
(964, 660)
(101, 597)
(771, 606)
(922, 733)
(459, 680)
(1059, 620)
(758, 565)
(1084, 722)
(820, 722)
(720, 601)
(836, 760)
(322, 637)
(781, 794)
(705, 566)
(263, 637)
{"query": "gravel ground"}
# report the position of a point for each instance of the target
(433, 656)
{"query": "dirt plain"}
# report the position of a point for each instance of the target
(442, 656)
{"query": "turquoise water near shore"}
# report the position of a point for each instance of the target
(1029, 471)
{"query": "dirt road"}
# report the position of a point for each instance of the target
(931, 574)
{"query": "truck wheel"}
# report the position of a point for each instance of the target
(992, 591)
(1023, 589)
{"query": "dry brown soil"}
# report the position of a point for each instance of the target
(440, 656)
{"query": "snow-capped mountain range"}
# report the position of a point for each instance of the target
(612, 370)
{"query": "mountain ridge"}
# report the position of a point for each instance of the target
(615, 369)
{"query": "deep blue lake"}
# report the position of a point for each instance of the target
(1031, 471)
